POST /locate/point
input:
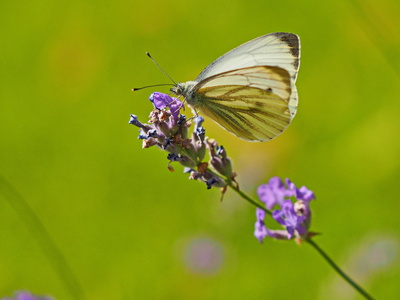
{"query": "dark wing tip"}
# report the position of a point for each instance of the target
(293, 42)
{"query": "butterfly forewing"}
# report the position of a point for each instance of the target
(252, 103)
(279, 49)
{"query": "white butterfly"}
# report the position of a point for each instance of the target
(250, 91)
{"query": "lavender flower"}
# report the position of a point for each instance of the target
(26, 296)
(162, 101)
(294, 217)
(274, 192)
(288, 217)
(168, 129)
(260, 231)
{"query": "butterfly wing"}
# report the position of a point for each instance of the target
(252, 103)
(278, 49)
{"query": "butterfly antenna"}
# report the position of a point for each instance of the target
(145, 87)
(148, 54)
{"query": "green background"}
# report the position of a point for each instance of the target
(129, 228)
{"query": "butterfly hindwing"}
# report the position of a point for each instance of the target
(252, 103)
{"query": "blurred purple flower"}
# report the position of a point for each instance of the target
(24, 295)
(204, 256)
(289, 219)
(304, 194)
(274, 192)
(295, 217)
(260, 231)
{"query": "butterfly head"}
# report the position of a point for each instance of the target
(184, 89)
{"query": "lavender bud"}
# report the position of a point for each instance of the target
(166, 143)
(152, 133)
(181, 120)
(199, 121)
(134, 121)
(142, 135)
(194, 175)
(215, 181)
(200, 133)
(188, 170)
(211, 182)
(164, 128)
(151, 98)
(173, 157)
(147, 143)
(201, 150)
(186, 161)
(222, 163)
(183, 128)
(221, 151)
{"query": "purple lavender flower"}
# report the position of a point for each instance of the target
(26, 296)
(289, 219)
(135, 121)
(199, 130)
(219, 159)
(304, 194)
(162, 101)
(294, 217)
(274, 192)
(261, 231)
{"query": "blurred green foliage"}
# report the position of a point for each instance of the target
(126, 225)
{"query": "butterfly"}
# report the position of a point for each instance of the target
(250, 91)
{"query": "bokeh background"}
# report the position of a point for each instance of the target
(128, 228)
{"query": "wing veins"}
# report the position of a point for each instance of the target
(250, 113)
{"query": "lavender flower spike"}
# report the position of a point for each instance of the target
(168, 130)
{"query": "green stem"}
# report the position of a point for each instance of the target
(311, 242)
(243, 195)
(43, 237)
(338, 270)
(248, 199)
